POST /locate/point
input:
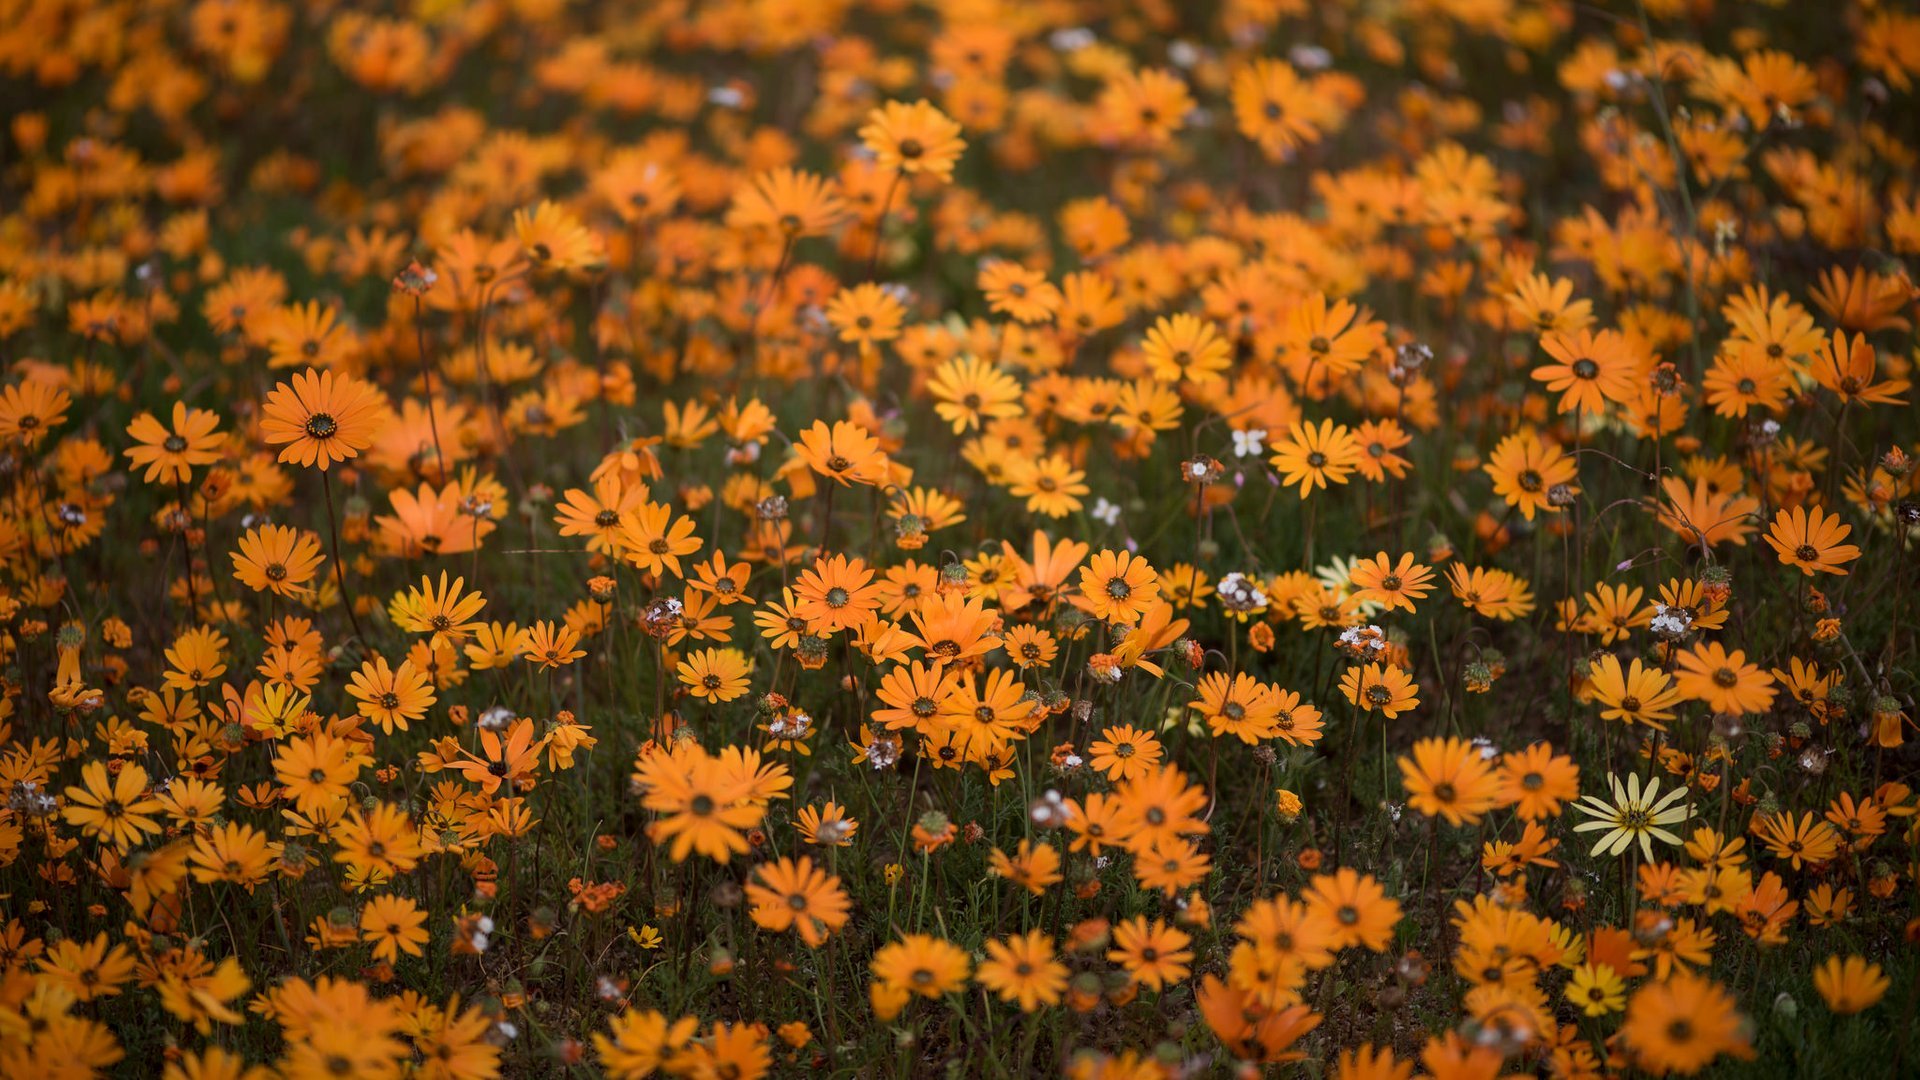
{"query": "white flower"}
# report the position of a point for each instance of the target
(1239, 593)
(1071, 39)
(1310, 57)
(1249, 443)
(1634, 815)
(1105, 511)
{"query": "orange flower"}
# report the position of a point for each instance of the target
(845, 452)
(1449, 778)
(169, 454)
(1725, 681)
(836, 593)
(913, 138)
(867, 314)
(1276, 108)
(1118, 587)
(322, 417)
(1846, 367)
(1811, 541)
(1183, 348)
(789, 202)
(715, 674)
(1590, 369)
(1393, 585)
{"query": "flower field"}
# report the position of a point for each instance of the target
(936, 538)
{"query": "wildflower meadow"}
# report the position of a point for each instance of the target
(1146, 539)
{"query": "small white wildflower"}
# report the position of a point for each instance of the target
(1250, 443)
(1071, 39)
(1238, 592)
(1310, 57)
(882, 753)
(1105, 511)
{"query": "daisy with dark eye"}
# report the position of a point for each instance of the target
(1391, 584)
(391, 697)
(1313, 456)
(1118, 587)
(866, 315)
(1381, 688)
(1124, 752)
(1633, 694)
(170, 452)
(1276, 108)
(511, 760)
(1811, 541)
(1526, 469)
(845, 452)
(277, 558)
(794, 894)
(1724, 679)
(1636, 815)
(1024, 970)
(30, 409)
(1588, 370)
(716, 675)
(1449, 778)
(836, 593)
(790, 202)
(1151, 952)
(548, 646)
(320, 418)
(913, 139)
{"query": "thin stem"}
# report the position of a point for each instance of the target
(879, 224)
(339, 564)
(426, 373)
